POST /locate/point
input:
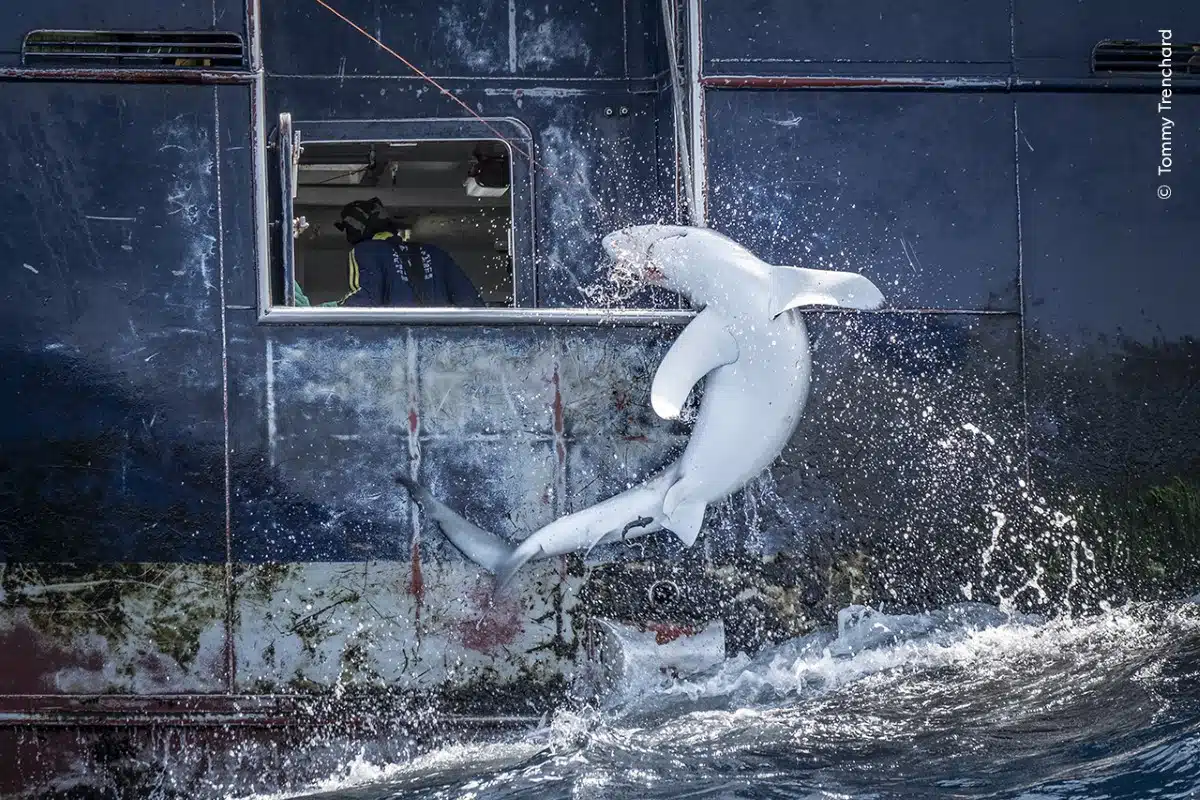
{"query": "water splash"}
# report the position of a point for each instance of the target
(614, 285)
(968, 698)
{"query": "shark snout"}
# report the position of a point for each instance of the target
(620, 245)
(633, 250)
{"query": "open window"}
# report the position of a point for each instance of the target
(392, 216)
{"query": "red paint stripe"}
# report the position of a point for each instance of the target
(416, 583)
(665, 633)
(559, 423)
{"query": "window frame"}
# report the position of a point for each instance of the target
(280, 253)
(269, 193)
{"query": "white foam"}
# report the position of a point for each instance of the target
(874, 663)
(976, 638)
(361, 771)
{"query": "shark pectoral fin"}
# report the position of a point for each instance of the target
(795, 286)
(702, 346)
(685, 521)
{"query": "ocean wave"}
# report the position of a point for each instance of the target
(965, 701)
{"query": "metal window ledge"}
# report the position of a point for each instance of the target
(477, 316)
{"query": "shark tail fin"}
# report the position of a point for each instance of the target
(792, 287)
(485, 548)
(517, 559)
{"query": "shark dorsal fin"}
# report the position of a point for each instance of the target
(792, 287)
(702, 346)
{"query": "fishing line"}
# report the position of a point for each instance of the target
(604, 212)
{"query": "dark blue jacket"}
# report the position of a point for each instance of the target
(379, 275)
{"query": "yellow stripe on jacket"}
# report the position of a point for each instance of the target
(353, 274)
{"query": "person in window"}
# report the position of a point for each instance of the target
(385, 270)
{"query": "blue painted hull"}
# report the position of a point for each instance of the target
(200, 513)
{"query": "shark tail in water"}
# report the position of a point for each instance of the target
(634, 512)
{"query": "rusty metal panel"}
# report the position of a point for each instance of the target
(369, 626)
(324, 418)
(512, 428)
(131, 628)
(570, 428)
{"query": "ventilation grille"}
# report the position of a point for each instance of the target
(134, 49)
(1143, 58)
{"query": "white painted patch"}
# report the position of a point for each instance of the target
(552, 92)
(790, 122)
(462, 32)
(31, 268)
(190, 195)
(551, 41)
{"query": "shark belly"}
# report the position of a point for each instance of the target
(749, 412)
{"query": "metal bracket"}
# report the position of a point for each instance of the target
(297, 150)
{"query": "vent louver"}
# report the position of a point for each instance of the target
(1143, 58)
(134, 49)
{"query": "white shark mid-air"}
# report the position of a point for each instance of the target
(750, 344)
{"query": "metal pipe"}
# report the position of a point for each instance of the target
(954, 84)
(287, 145)
(390, 196)
(683, 154)
(478, 316)
(699, 155)
(254, 31)
(844, 82)
(599, 317)
(258, 123)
